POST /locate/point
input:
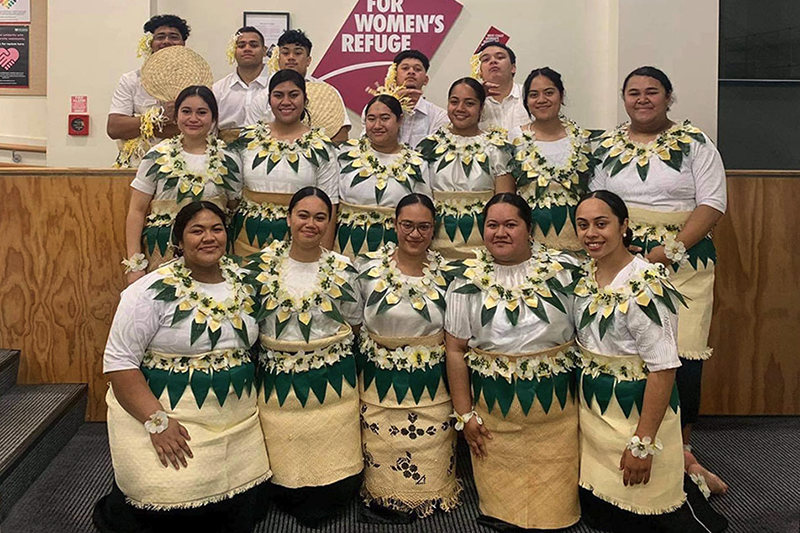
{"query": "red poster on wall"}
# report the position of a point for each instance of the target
(375, 32)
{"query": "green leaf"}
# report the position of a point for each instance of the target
(467, 168)
(606, 323)
(424, 313)
(176, 385)
(221, 383)
(586, 318)
(674, 399)
(279, 228)
(214, 336)
(487, 315)
(627, 392)
(526, 391)
(588, 387)
(157, 380)
(357, 234)
(263, 232)
(667, 301)
(271, 164)
(348, 366)
(268, 384)
(179, 315)
(465, 225)
(280, 326)
(375, 297)
(197, 330)
(343, 235)
(242, 333)
(675, 160)
(467, 289)
(443, 164)
(257, 160)
(477, 385)
(318, 379)
(558, 215)
(335, 376)
(163, 236)
(384, 306)
(251, 228)
(434, 376)
(301, 384)
(283, 384)
(485, 166)
(400, 383)
(305, 329)
(383, 380)
(513, 316)
(540, 311)
(561, 385)
(505, 394)
(417, 381)
(322, 153)
(651, 311)
(489, 386)
(200, 383)
(374, 237)
(334, 314)
(542, 218)
(643, 170)
(450, 226)
(616, 167)
(555, 301)
(239, 376)
(604, 389)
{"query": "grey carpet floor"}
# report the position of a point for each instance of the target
(757, 456)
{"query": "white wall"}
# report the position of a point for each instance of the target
(593, 43)
(23, 120)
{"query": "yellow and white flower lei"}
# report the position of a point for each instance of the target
(216, 361)
(450, 147)
(523, 367)
(391, 280)
(171, 162)
(362, 157)
(622, 368)
(329, 285)
(459, 208)
(208, 310)
(362, 218)
(264, 211)
(259, 139)
(144, 48)
(562, 182)
(408, 358)
(541, 267)
(289, 362)
(138, 146)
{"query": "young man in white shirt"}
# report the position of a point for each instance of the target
(504, 103)
(412, 73)
(130, 97)
(236, 92)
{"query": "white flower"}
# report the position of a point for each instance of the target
(158, 423)
(700, 481)
(675, 251)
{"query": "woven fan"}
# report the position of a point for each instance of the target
(325, 107)
(170, 70)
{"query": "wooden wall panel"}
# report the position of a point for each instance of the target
(61, 241)
(62, 237)
(756, 328)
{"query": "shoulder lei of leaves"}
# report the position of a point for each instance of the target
(644, 288)
(331, 288)
(312, 145)
(390, 287)
(617, 150)
(530, 166)
(540, 285)
(177, 285)
(169, 165)
(359, 158)
(446, 147)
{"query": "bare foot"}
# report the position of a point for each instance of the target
(692, 466)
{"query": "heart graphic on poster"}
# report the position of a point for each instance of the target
(8, 57)
(7, 3)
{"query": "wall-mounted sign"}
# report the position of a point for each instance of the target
(15, 11)
(375, 32)
(271, 25)
(14, 62)
(493, 35)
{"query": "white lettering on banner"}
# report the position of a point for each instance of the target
(397, 27)
(370, 42)
(399, 23)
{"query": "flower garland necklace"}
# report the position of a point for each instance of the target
(643, 288)
(170, 165)
(445, 146)
(312, 145)
(331, 286)
(540, 284)
(362, 158)
(617, 150)
(392, 287)
(177, 285)
(531, 166)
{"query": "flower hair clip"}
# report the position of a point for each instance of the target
(144, 49)
(390, 88)
(272, 62)
(475, 67)
(230, 50)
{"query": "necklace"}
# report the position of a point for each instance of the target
(444, 146)
(359, 157)
(313, 146)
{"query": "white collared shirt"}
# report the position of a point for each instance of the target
(235, 99)
(129, 97)
(508, 114)
(423, 121)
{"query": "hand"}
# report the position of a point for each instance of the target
(657, 255)
(475, 434)
(492, 89)
(171, 445)
(413, 94)
(634, 249)
(169, 112)
(133, 276)
(635, 470)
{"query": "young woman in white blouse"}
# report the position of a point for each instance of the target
(278, 159)
(467, 167)
(186, 444)
(191, 166)
(632, 474)
(308, 400)
(671, 177)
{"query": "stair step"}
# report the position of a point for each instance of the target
(36, 422)
(9, 368)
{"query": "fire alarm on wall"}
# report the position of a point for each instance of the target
(78, 124)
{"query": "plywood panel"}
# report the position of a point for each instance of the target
(62, 240)
(62, 237)
(756, 327)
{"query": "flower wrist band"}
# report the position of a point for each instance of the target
(641, 448)
(461, 420)
(136, 263)
(158, 423)
(675, 251)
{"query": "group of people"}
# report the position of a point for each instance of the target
(311, 317)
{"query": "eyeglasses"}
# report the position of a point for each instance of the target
(408, 227)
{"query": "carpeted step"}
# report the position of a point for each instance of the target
(36, 422)
(9, 368)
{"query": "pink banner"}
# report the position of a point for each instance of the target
(375, 32)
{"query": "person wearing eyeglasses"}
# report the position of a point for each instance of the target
(407, 436)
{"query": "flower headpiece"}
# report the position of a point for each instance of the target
(391, 88)
(230, 51)
(475, 67)
(144, 49)
(272, 62)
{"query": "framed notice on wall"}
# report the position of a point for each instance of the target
(14, 52)
(270, 24)
(23, 47)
